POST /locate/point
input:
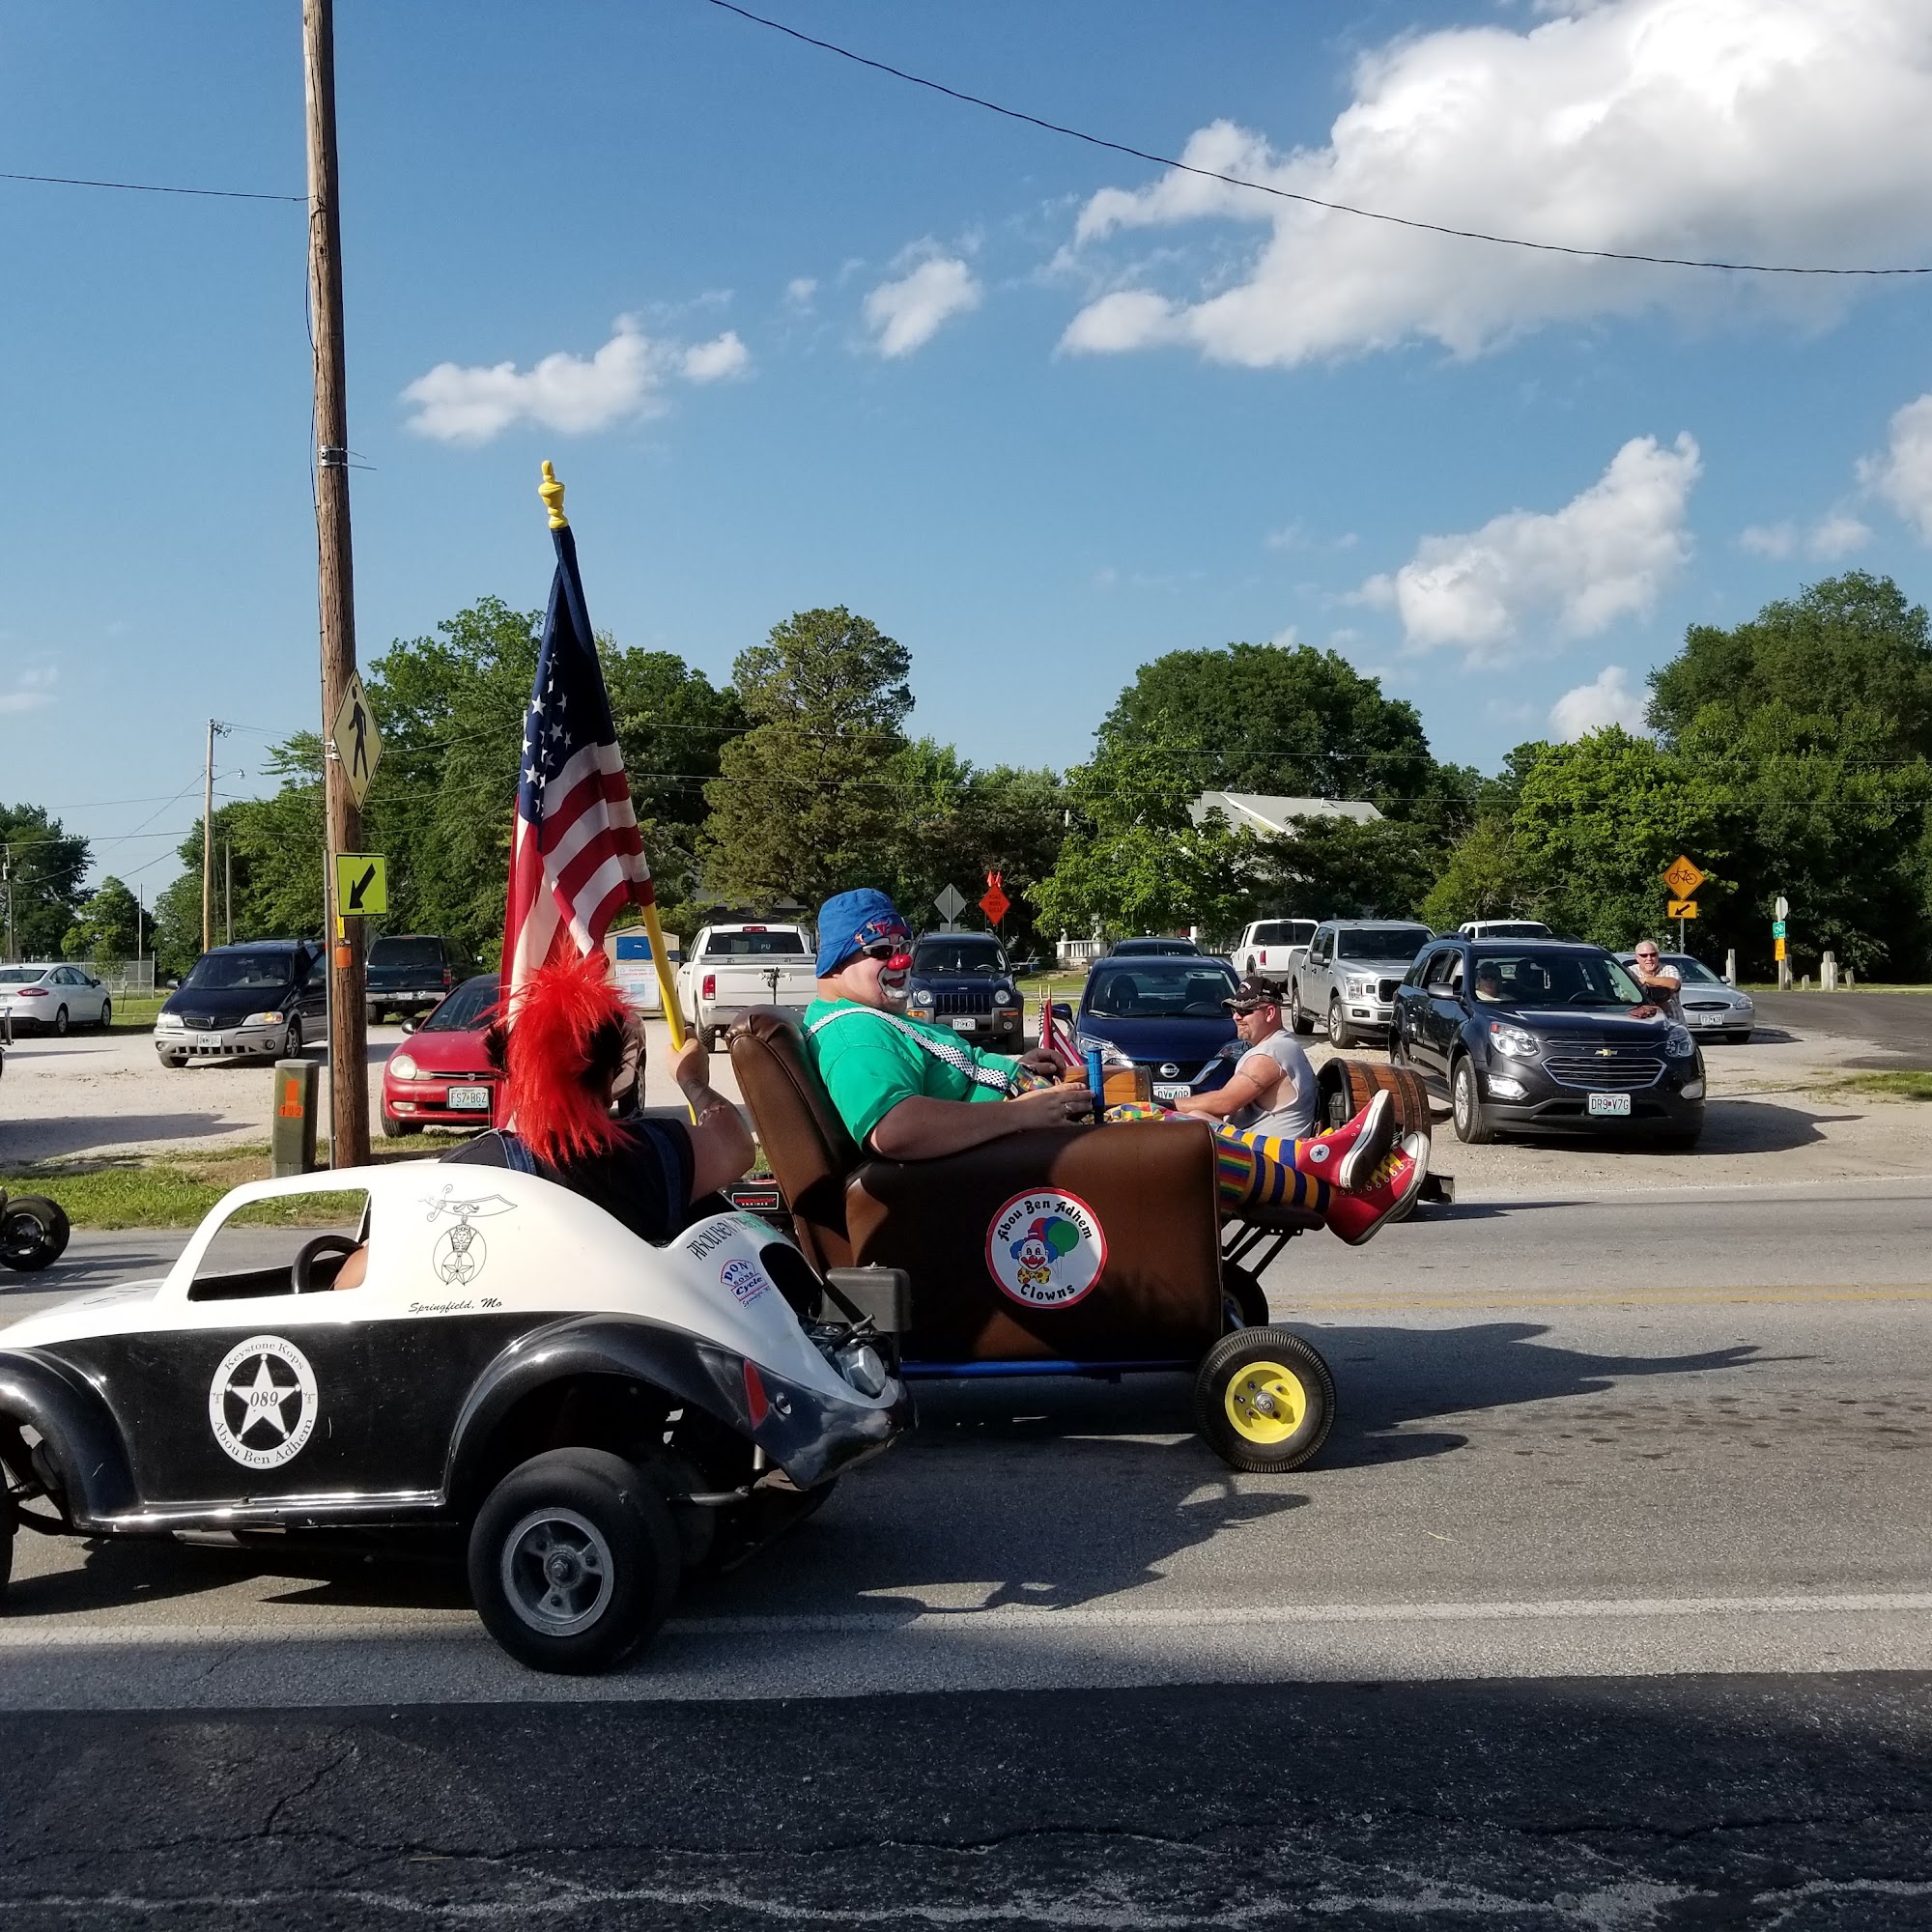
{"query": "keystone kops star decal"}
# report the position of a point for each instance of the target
(261, 1404)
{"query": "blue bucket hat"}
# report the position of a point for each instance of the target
(850, 922)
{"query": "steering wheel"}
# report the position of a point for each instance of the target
(302, 1271)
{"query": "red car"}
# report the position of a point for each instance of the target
(441, 1076)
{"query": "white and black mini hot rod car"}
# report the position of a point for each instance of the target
(595, 1414)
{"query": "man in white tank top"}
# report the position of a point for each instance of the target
(1271, 1091)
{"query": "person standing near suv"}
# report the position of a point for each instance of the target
(1658, 981)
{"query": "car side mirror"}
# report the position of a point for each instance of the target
(408, 1026)
(1063, 1009)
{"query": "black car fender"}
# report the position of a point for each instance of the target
(82, 1442)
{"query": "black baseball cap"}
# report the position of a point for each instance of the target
(1255, 991)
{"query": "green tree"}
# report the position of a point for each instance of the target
(806, 802)
(1382, 869)
(41, 865)
(110, 925)
(1295, 722)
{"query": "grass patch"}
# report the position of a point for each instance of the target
(134, 1012)
(1905, 1086)
(176, 1190)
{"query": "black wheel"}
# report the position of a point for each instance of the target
(292, 1040)
(1341, 1035)
(1297, 1018)
(174, 1058)
(33, 1233)
(574, 1559)
(60, 1024)
(106, 1019)
(1246, 1296)
(1465, 1105)
(1264, 1400)
(394, 1129)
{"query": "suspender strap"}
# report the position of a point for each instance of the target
(960, 1059)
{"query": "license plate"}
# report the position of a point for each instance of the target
(964, 1026)
(470, 1099)
(1616, 1105)
(1171, 1090)
(204, 1040)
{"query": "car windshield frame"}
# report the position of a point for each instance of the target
(989, 958)
(1561, 966)
(487, 988)
(1361, 954)
(1176, 968)
(249, 967)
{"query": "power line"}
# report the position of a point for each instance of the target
(1289, 194)
(152, 188)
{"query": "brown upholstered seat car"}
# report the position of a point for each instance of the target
(1057, 1251)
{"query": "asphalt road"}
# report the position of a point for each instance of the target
(1608, 1604)
(1901, 1023)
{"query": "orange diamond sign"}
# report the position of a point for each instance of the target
(994, 902)
(1683, 878)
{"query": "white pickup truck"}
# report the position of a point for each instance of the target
(731, 969)
(1272, 946)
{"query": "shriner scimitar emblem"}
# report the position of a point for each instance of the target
(261, 1404)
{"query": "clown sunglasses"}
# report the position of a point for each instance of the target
(889, 952)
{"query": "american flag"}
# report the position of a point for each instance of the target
(577, 860)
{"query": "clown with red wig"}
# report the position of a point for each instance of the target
(568, 1043)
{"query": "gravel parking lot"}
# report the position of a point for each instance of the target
(1775, 1114)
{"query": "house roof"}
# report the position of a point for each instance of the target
(1260, 812)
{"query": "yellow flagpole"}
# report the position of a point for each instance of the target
(551, 492)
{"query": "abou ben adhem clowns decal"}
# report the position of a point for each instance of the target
(1045, 1248)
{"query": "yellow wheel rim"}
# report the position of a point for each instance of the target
(1265, 1403)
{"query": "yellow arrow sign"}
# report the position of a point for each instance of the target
(361, 884)
(1683, 908)
(1683, 878)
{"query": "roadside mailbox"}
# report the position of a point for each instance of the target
(292, 1118)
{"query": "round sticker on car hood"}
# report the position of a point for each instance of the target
(1045, 1248)
(261, 1404)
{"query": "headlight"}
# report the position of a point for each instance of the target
(263, 1019)
(1006, 998)
(918, 999)
(1678, 1043)
(860, 1364)
(1502, 1088)
(168, 1023)
(402, 1066)
(1361, 989)
(1691, 1089)
(1512, 1040)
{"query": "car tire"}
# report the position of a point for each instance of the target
(1341, 1035)
(1297, 1018)
(60, 1023)
(1245, 1296)
(292, 1040)
(574, 1559)
(1264, 1400)
(106, 1019)
(394, 1129)
(175, 1060)
(33, 1233)
(1465, 1105)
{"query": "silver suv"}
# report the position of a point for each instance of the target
(1347, 979)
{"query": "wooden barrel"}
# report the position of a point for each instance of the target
(1346, 1085)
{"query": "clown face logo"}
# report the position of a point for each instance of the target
(1045, 1248)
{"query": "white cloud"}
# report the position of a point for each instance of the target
(1836, 534)
(1902, 477)
(1608, 700)
(800, 290)
(712, 361)
(1779, 130)
(33, 691)
(905, 314)
(573, 394)
(1605, 554)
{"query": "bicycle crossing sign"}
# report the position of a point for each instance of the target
(1683, 878)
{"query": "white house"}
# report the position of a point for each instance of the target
(1271, 816)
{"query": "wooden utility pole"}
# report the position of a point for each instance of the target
(347, 1071)
(208, 845)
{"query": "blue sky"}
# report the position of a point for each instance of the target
(1039, 410)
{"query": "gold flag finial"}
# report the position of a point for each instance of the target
(551, 491)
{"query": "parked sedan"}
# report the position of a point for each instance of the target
(1161, 1011)
(1711, 1004)
(965, 980)
(53, 998)
(1544, 1034)
(441, 1076)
